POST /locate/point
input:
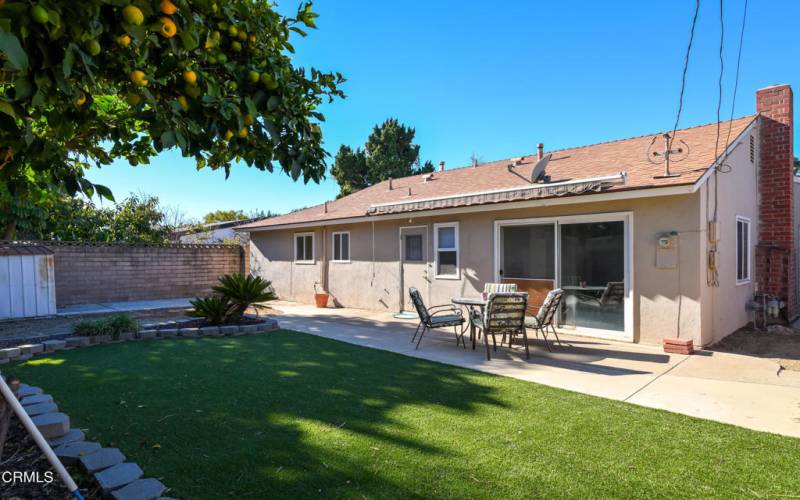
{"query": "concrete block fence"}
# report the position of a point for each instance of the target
(87, 273)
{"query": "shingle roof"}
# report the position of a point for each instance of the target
(596, 160)
(9, 248)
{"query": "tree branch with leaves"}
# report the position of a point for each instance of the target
(85, 83)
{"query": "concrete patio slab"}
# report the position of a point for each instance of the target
(133, 305)
(735, 389)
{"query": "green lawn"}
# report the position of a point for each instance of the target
(292, 415)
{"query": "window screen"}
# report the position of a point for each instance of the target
(413, 250)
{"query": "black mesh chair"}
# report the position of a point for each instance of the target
(435, 317)
(504, 315)
(544, 318)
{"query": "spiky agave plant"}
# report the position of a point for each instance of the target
(215, 309)
(244, 291)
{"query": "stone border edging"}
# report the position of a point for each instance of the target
(116, 478)
(169, 329)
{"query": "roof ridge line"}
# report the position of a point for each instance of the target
(594, 144)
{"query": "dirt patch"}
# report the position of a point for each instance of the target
(21, 454)
(781, 345)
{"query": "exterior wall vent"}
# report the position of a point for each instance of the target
(752, 148)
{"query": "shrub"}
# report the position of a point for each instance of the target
(215, 309)
(114, 326)
(244, 291)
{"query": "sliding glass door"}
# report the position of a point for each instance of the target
(593, 275)
(586, 256)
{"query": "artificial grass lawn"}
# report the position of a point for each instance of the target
(292, 415)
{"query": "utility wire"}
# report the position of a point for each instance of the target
(736, 80)
(686, 66)
(721, 74)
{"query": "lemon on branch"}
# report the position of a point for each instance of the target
(133, 15)
(190, 77)
(168, 28)
(138, 78)
(168, 7)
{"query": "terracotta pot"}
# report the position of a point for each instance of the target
(321, 299)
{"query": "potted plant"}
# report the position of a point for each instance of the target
(320, 296)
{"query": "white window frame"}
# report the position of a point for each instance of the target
(748, 267)
(333, 247)
(436, 249)
(313, 245)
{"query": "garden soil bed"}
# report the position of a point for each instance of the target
(37, 329)
(199, 323)
(782, 347)
(21, 454)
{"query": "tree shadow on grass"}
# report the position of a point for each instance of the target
(283, 414)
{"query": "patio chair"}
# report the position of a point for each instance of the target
(499, 287)
(613, 294)
(544, 318)
(504, 315)
(435, 317)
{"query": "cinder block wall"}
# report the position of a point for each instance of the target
(88, 273)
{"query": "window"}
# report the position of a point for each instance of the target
(445, 241)
(304, 247)
(341, 247)
(742, 250)
(413, 247)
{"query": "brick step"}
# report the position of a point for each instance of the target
(101, 459)
(26, 390)
(71, 453)
(141, 489)
(36, 399)
(118, 476)
(40, 409)
(51, 425)
(73, 436)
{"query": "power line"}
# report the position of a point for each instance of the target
(721, 74)
(686, 66)
(736, 80)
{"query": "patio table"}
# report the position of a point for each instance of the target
(474, 304)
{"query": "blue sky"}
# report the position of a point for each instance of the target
(495, 80)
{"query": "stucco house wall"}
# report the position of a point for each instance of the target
(374, 284)
(737, 180)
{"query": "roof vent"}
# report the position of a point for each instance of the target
(441, 166)
(540, 150)
(390, 183)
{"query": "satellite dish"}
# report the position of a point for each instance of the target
(538, 173)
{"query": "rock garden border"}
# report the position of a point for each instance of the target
(169, 329)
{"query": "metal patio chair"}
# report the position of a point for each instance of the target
(504, 315)
(499, 287)
(544, 318)
(435, 317)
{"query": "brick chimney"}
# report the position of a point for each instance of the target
(775, 254)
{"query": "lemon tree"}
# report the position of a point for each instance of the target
(84, 83)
